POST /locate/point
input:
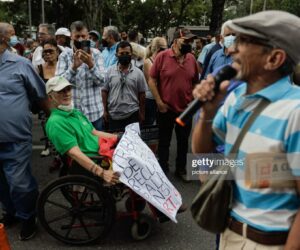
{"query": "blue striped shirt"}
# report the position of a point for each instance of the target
(87, 94)
(276, 130)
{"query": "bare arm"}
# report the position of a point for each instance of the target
(104, 134)
(293, 241)
(84, 161)
(162, 107)
(147, 66)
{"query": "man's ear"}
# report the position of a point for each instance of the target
(275, 59)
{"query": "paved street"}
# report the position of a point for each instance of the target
(184, 235)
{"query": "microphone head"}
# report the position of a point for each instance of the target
(226, 73)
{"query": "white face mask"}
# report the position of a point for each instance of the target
(228, 41)
(67, 108)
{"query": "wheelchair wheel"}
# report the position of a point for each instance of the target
(141, 228)
(83, 216)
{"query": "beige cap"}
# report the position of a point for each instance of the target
(277, 27)
(63, 31)
(57, 83)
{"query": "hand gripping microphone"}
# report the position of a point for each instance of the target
(226, 73)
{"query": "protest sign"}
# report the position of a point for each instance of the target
(141, 172)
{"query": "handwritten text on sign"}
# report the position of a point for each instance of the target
(141, 172)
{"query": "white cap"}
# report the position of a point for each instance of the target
(63, 31)
(57, 83)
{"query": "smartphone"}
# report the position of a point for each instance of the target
(78, 44)
(86, 45)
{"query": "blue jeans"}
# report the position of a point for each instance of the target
(99, 124)
(18, 188)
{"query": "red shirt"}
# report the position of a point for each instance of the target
(175, 81)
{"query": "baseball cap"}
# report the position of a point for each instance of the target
(57, 83)
(63, 31)
(184, 33)
(279, 28)
(96, 33)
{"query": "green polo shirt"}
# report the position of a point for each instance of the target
(69, 129)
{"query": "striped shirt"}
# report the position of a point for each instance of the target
(276, 130)
(88, 82)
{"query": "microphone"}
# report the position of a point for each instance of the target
(226, 73)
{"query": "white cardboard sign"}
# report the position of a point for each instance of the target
(141, 172)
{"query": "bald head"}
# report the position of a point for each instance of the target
(4, 35)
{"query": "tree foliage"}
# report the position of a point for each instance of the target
(150, 17)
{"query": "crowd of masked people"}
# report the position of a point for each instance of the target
(91, 83)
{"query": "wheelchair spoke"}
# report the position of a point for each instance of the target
(70, 226)
(58, 205)
(61, 217)
(84, 227)
(84, 195)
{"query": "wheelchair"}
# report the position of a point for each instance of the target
(79, 208)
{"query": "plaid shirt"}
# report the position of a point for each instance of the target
(88, 82)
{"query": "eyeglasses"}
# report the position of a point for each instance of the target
(230, 34)
(48, 51)
(42, 34)
(253, 40)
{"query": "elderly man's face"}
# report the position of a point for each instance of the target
(63, 97)
(249, 57)
(43, 34)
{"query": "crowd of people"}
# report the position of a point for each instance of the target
(87, 83)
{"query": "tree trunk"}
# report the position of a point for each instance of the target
(93, 13)
(216, 15)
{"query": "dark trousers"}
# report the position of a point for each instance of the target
(150, 111)
(119, 125)
(18, 188)
(166, 123)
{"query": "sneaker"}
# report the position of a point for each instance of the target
(182, 176)
(9, 220)
(45, 152)
(28, 229)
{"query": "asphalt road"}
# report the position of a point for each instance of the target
(183, 235)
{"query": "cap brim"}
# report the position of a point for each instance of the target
(62, 86)
(245, 31)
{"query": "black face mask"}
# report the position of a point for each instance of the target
(124, 60)
(185, 48)
(104, 43)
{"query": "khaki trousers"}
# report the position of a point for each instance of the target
(233, 241)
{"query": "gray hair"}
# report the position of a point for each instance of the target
(114, 34)
(224, 26)
(50, 28)
(107, 28)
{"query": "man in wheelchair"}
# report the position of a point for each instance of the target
(71, 132)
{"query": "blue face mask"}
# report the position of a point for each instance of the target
(13, 41)
(93, 44)
(228, 41)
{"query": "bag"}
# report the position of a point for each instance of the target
(211, 207)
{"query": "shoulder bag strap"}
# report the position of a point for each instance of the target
(258, 109)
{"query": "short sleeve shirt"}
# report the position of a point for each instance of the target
(175, 81)
(69, 129)
(123, 91)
